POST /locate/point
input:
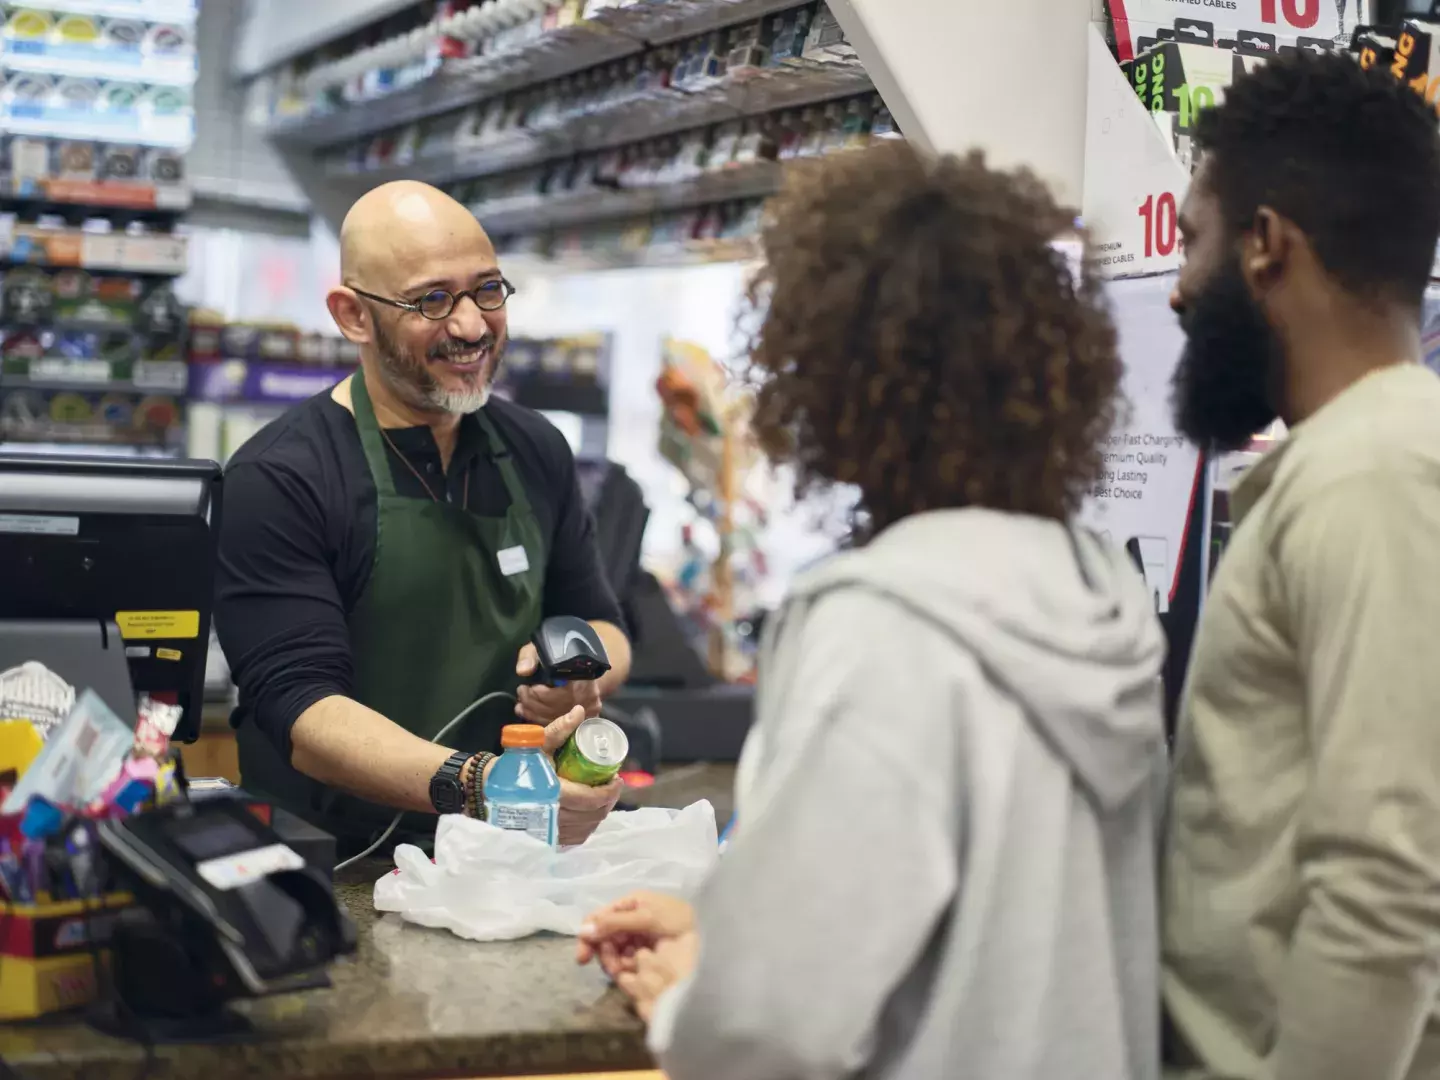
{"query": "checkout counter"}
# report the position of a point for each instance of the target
(408, 1002)
(411, 1003)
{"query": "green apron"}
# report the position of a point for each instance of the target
(440, 624)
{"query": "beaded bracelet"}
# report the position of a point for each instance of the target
(475, 793)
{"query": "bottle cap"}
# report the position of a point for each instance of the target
(522, 735)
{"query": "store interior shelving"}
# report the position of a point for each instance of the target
(610, 34)
(94, 126)
(537, 133)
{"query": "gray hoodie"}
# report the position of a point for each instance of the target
(944, 858)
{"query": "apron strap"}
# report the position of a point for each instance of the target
(370, 438)
(500, 454)
(374, 445)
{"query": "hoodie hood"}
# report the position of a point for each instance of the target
(1059, 621)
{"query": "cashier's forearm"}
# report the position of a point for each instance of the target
(617, 646)
(344, 745)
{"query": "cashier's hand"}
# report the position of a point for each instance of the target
(658, 969)
(542, 704)
(618, 934)
(582, 807)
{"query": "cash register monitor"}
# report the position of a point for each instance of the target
(89, 545)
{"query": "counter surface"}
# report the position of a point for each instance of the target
(412, 1002)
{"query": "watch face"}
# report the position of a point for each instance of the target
(446, 795)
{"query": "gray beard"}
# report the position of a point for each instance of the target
(409, 380)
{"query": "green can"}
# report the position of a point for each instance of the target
(594, 754)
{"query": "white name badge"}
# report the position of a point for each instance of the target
(513, 561)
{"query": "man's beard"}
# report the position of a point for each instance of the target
(1228, 384)
(411, 381)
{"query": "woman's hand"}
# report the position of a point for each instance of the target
(642, 921)
(656, 970)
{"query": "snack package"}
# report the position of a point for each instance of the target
(1416, 58)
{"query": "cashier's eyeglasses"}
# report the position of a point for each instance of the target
(437, 304)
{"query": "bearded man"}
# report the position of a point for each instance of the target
(389, 547)
(1301, 909)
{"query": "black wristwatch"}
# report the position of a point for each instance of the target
(447, 793)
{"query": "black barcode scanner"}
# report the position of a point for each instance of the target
(568, 650)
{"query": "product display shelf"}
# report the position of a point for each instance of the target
(182, 12)
(530, 213)
(94, 434)
(131, 199)
(661, 257)
(612, 35)
(153, 256)
(99, 376)
(87, 62)
(748, 93)
(131, 126)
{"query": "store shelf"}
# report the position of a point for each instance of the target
(692, 253)
(675, 20)
(66, 60)
(156, 254)
(620, 121)
(64, 196)
(99, 376)
(546, 393)
(534, 213)
(142, 128)
(97, 433)
(258, 382)
(160, 11)
(612, 35)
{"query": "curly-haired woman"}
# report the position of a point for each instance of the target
(944, 862)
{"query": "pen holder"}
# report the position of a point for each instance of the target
(50, 953)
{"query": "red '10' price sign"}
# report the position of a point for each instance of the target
(1301, 14)
(1161, 219)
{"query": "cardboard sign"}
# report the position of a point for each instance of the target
(1176, 82)
(1143, 499)
(1133, 182)
(1265, 25)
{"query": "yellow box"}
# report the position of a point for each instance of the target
(47, 963)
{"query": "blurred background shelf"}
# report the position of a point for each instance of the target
(532, 213)
(91, 62)
(53, 195)
(654, 115)
(173, 131)
(613, 34)
(182, 12)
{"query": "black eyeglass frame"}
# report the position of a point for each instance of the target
(507, 291)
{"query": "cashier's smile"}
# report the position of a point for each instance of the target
(465, 356)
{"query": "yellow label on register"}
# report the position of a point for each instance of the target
(139, 625)
(167, 654)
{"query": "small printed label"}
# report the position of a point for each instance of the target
(61, 369)
(513, 560)
(231, 871)
(137, 652)
(139, 625)
(533, 819)
(39, 525)
(167, 654)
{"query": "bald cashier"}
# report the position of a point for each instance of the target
(388, 548)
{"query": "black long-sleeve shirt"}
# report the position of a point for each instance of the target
(297, 541)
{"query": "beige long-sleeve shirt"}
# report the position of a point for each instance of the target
(1302, 876)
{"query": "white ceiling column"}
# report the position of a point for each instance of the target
(1005, 76)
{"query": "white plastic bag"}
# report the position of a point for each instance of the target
(490, 884)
